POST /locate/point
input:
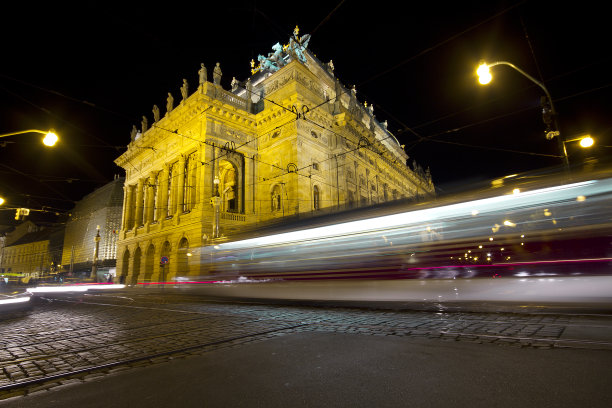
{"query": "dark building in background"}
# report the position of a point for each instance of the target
(98, 212)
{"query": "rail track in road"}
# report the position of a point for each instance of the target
(79, 338)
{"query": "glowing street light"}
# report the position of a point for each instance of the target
(1, 200)
(585, 141)
(548, 109)
(484, 76)
(50, 138)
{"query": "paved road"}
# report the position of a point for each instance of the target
(273, 355)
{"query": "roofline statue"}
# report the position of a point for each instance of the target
(281, 55)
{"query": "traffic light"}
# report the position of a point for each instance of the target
(22, 213)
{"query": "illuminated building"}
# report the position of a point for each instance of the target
(32, 252)
(99, 209)
(290, 140)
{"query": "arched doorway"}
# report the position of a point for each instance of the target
(183, 258)
(149, 263)
(276, 201)
(125, 266)
(316, 198)
(136, 265)
(164, 269)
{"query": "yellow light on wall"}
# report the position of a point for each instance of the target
(1, 200)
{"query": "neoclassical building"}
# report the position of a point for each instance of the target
(290, 139)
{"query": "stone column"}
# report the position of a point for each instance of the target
(139, 203)
(246, 193)
(124, 220)
(129, 208)
(368, 189)
(215, 169)
(358, 184)
(162, 195)
(150, 199)
(199, 180)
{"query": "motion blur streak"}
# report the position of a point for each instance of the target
(552, 242)
(74, 288)
(22, 299)
(418, 217)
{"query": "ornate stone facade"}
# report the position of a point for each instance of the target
(286, 142)
(100, 209)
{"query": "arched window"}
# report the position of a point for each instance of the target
(169, 191)
(351, 199)
(142, 204)
(183, 258)
(149, 263)
(154, 191)
(189, 194)
(229, 186)
(316, 199)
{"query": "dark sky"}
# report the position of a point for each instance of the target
(92, 70)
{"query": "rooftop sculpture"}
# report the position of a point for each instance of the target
(282, 54)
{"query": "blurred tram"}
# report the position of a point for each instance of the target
(538, 240)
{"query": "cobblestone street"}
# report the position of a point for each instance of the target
(79, 338)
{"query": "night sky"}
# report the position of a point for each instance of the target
(91, 70)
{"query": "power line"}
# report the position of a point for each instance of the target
(449, 39)
(327, 17)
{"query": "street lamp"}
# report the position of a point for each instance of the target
(585, 141)
(216, 203)
(94, 267)
(50, 138)
(548, 109)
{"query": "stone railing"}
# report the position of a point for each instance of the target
(229, 98)
(233, 216)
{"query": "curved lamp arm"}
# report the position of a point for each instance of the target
(49, 140)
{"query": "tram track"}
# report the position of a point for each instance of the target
(230, 322)
(462, 320)
(70, 373)
(93, 338)
(7, 348)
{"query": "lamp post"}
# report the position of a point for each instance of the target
(50, 138)
(548, 109)
(216, 203)
(94, 268)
